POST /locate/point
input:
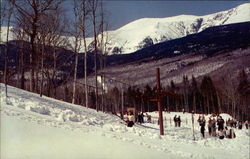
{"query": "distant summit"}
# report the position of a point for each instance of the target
(145, 32)
(148, 31)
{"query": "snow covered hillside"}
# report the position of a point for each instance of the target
(35, 127)
(148, 31)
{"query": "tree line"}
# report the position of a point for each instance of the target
(201, 97)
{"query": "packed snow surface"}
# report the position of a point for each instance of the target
(41, 127)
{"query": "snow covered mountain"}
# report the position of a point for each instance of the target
(148, 31)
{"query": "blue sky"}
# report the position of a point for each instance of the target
(123, 12)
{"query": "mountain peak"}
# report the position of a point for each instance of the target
(148, 31)
(132, 36)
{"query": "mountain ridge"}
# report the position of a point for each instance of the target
(128, 39)
(144, 32)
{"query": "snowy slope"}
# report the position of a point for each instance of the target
(129, 37)
(34, 127)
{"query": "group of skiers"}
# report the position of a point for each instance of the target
(177, 121)
(235, 124)
(130, 118)
(215, 125)
(222, 131)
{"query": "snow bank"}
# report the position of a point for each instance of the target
(35, 127)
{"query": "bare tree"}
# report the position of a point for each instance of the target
(94, 7)
(21, 37)
(99, 42)
(8, 15)
(43, 33)
(83, 28)
(82, 12)
(31, 11)
(56, 23)
(76, 45)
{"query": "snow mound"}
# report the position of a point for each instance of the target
(30, 123)
(61, 111)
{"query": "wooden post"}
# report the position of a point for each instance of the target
(159, 102)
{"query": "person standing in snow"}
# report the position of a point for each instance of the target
(227, 132)
(139, 118)
(213, 127)
(240, 125)
(209, 125)
(247, 124)
(131, 119)
(148, 118)
(234, 123)
(183, 111)
(175, 120)
(220, 123)
(202, 123)
(142, 117)
(178, 120)
(121, 115)
(232, 134)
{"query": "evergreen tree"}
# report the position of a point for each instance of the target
(209, 95)
(244, 91)
(243, 87)
(185, 92)
(195, 94)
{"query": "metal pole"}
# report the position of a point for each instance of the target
(159, 102)
(122, 100)
(193, 124)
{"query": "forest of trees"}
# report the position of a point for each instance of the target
(204, 97)
(43, 24)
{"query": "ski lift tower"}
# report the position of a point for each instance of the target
(158, 99)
